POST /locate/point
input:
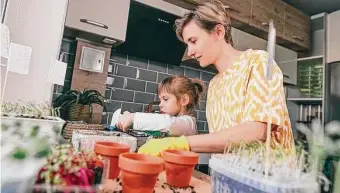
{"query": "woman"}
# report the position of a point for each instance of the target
(237, 96)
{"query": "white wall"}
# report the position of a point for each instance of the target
(38, 24)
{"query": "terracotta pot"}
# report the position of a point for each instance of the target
(179, 166)
(110, 151)
(139, 172)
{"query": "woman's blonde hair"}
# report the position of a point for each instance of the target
(206, 16)
(180, 85)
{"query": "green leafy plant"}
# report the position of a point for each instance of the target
(75, 105)
(323, 141)
(27, 109)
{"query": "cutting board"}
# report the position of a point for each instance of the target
(200, 183)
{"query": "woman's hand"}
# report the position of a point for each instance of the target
(125, 121)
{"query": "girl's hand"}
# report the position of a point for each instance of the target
(125, 121)
(157, 146)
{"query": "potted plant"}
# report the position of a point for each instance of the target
(76, 105)
(28, 130)
(242, 167)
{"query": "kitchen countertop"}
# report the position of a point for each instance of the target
(201, 176)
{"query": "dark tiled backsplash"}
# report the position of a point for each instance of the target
(135, 82)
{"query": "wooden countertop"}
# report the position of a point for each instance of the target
(200, 183)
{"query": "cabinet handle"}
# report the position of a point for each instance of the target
(265, 24)
(299, 38)
(94, 23)
(285, 75)
(230, 8)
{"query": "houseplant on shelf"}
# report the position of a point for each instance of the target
(75, 105)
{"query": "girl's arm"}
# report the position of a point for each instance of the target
(176, 126)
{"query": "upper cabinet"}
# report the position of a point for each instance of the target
(253, 16)
(105, 18)
(239, 10)
(297, 27)
(263, 10)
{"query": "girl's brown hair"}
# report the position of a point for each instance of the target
(206, 16)
(180, 85)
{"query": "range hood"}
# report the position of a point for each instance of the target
(150, 32)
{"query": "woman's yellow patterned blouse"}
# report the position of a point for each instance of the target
(240, 94)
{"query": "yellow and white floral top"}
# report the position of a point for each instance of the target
(240, 94)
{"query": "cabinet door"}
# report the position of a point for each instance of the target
(297, 27)
(283, 54)
(102, 17)
(247, 41)
(239, 10)
(289, 71)
(265, 10)
(287, 61)
(333, 40)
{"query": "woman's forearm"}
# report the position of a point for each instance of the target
(216, 142)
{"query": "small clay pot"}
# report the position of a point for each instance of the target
(139, 172)
(179, 166)
(110, 151)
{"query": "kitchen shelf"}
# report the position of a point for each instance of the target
(306, 100)
(302, 59)
(310, 58)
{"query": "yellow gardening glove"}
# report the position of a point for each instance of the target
(157, 146)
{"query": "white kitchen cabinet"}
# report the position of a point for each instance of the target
(234, 34)
(333, 38)
(289, 71)
(287, 61)
(107, 18)
(283, 54)
(247, 41)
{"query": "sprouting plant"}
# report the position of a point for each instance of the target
(320, 143)
(27, 108)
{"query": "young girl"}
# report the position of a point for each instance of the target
(179, 96)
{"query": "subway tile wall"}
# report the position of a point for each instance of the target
(135, 82)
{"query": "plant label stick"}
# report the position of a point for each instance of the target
(271, 52)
